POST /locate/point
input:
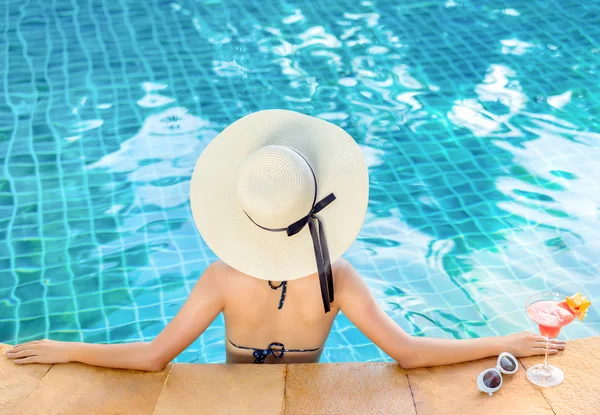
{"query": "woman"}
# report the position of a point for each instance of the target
(263, 193)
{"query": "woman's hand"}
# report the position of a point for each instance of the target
(528, 344)
(39, 351)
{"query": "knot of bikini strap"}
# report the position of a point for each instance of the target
(315, 225)
(261, 355)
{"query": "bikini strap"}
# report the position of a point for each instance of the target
(283, 287)
(275, 349)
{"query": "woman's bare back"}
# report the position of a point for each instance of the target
(252, 317)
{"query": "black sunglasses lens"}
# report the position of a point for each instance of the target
(508, 364)
(491, 379)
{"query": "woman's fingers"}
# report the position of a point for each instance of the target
(20, 348)
(538, 350)
(22, 353)
(14, 349)
(26, 360)
(24, 346)
(543, 339)
(559, 346)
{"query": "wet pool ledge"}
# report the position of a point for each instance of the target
(337, 388)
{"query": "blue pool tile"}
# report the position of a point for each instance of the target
(29, 292)
(118, 315)
(59, 289)
(9, 331)
(32, 329)
(63, 322)
(90, 301)
(7, 309)
(95, 336)
(66, 336)
(128, 331)
(30, 309)
(149, 313)
(92, 319)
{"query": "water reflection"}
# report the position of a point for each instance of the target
(157, 162)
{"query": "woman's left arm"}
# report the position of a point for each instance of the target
(204, 304)
(359, 305)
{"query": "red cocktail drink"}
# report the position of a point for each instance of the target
(550, 316)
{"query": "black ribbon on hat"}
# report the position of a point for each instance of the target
(315, 225)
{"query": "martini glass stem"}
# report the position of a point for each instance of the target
(546, 357)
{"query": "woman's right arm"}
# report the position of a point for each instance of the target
(204, 304)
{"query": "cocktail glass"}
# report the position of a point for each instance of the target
(551, 312)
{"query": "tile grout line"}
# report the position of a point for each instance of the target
(539, 390)
(285, 379)
(412, 394)
(34, 389)
(163, 387)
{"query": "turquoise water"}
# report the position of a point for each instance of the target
(479, 120)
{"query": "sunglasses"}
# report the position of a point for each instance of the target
(490, 380)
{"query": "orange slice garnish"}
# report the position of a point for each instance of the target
(578, 305)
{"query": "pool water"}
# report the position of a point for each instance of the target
(480, 122)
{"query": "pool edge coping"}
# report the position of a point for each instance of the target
(343, 382)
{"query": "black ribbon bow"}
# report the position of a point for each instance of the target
(315, 225)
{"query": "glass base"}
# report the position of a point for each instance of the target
(546, 378)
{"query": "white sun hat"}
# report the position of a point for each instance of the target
(268, 188)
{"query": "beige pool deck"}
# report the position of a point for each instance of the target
(337, 388)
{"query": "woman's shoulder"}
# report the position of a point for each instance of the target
(342, 265)
(225, 274)
(219, 269)
(345, 277)
(342, 270)
(219, 266)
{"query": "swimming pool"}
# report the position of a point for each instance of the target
(479, 120)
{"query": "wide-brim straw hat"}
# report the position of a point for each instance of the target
(258, 177)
